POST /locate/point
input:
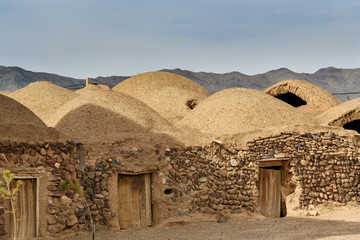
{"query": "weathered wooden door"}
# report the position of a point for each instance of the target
(134, 194)
(25, 209)
(270, 192)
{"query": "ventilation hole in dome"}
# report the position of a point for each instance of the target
(353, 125)
(291, 99)
(191, 104)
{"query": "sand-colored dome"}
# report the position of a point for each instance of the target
(238, 110)
(98, 114)
(306, 96)
(43, 98)
(341, 114)
(18, 123)
(171, 95)
(13, 112)
(5, 93)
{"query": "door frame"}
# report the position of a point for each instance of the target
(16, 177)
(281, 163)
(148, 194)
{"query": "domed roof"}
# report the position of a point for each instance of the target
(341, 114)
(171, 95)
(104, 114)
(5, 93)
(238, 110)
(306, 96)
(43, 98)
(20, 124)
(13, 112)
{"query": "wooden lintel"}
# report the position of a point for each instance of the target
(272, 162)
(134, 173)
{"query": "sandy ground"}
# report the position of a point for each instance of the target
(332, 224)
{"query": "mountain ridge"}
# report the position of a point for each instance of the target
(334, 80)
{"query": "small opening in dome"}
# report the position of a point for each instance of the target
(291, 99)
(353, 125)
(191, 104)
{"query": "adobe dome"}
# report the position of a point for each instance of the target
(104, 114)
(171, 95)
(238, 110)
(345, 115)
(19, 123)
(43, 98)
(305, 96)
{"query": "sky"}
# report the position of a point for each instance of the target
(90, 38)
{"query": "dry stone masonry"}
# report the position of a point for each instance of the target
(217, 178)
(224, 178)
(50, 164)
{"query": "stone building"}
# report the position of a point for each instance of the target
(237, 151)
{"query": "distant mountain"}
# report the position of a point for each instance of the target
(14, 78)
(334, 80)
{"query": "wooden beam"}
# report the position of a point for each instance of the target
(148, 199)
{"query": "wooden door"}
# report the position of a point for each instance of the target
(134, 200)
(25, 209)
(270, 192)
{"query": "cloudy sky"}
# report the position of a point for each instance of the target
(80, 38)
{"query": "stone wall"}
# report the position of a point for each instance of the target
(218, 178)
(211, 179)
(50, 164)
(325, 166)
(223, 178)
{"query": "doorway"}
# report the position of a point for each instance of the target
(26, 209)
(134, 200)
(270, 191)
(272, 187)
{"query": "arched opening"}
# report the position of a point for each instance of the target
(291, 99)
(353, 125)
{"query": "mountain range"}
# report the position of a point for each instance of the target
(343, 83)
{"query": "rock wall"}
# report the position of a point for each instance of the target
(224, 178)
(50, 164)
(218, 178)
(325, 166)
(213, 179)
(104, 162)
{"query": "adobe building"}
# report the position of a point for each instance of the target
(238, 151)
(37, 156)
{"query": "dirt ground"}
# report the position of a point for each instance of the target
(338, 224)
